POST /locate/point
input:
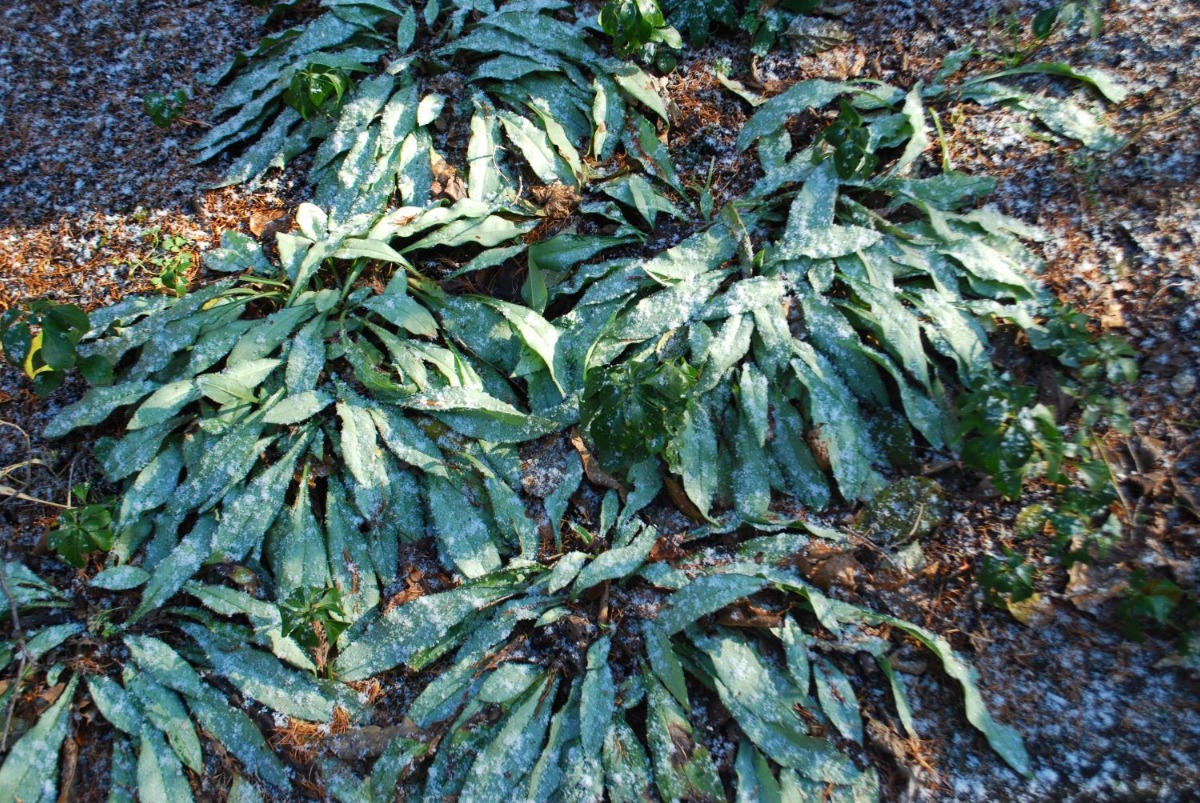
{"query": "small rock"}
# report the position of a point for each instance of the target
(1184, 383)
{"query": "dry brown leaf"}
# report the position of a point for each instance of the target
(1035, 612)
(681, 501)
(268, 221)
(591, 466)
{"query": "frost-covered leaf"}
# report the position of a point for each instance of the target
(164, 710)
(115, 704)
(229, 726)
(261, 677)
(177, 568)
(31, 767)
(698, 457)
(800, 97)
(395, 636)
(298, 408)
(616, 563)
(811, 231)
(703, 596)
(96, 405)
(597, 697)
(683, 767)
(464, 535)
(159, 773)
(120, 578)
(838, 699)
(507, 758)
(152, 487)
(752, 691)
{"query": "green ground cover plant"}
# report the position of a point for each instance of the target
(284, 439)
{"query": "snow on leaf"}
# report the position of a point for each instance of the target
(31, 765)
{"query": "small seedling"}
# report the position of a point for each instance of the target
(82, 530)
(164, 109)
(314, 617)
(170, 263)
(1010, 438)
(314, 87)
(632, 411)
(634, 24)
(1006, 580)
(47, 354)
(1153, 603)
(851, 143)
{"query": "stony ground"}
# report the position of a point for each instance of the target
(86, 181)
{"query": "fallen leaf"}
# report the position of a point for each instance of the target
(1035, 612)
(269, 221)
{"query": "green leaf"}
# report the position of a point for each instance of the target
(1105, 83)
(640, 87)
(597, 697)
(397, 635)
(535, 332)
(159, 774)
(58, 349)
(1004, 739)
(535, 146)
(616, 563)
(774, 114)
(122, 778)
(507, 758)
(96, 405)
(755, 782)
(299, 558)
(114, 704)
(120, 578)
(752, 473)
(30, 769)
(261, 677)
(164, 710)
(484, 179)
(265, 617)
(237, 383)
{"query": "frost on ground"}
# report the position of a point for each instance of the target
(1104, 718)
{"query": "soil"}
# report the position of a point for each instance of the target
(87, 184)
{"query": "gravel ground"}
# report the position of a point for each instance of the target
(84, 176)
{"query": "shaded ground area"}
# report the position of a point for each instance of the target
(85, 179)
